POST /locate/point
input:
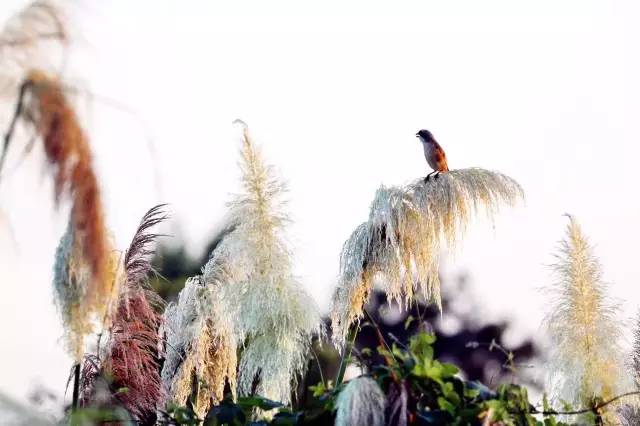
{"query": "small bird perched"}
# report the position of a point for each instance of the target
(433, 153)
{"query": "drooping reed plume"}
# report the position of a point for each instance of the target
(29, 40)
(133, 353)
(43, 105)
(201, 353)
(399, 246)
(201, 357)
(585, 360)
(361, 403)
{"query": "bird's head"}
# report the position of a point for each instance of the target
(425, 136)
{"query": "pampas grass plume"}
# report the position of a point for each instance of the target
(27, 41)
(400, 244)
(582, 325)
(361, 403)
(133, 354)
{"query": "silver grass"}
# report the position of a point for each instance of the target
(249, 277)
(400, 244)
(635, 352)
(181, 321)
(28, 41)
(70, 276)
(585, 353)
(201, 353)
(361, 403)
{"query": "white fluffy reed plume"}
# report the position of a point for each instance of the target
(247, 299)
(249, 275)
(585, 355)
(30, 40)
(400, 244)
(201, 351)
(635, 352)
(361, 403)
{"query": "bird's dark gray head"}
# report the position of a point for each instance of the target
(425, 136)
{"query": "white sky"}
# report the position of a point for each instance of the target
(546, 92)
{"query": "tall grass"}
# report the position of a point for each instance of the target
(84, 269)
(30, 40)
(361, 403)
(399, 246)
(272, 316)
(585, 355)
(247, 299)
(201, 352)
(133, 350)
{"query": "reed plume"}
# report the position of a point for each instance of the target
(247, 299)
(400, 244)
(635, 352)
(133, 355)
(361, 403)
(201, 353)
(28, 41)
(84, 278)
(585, 360)
(250, 274)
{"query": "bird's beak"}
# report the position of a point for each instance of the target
(417, 134)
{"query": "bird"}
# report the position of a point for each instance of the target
(433, 153)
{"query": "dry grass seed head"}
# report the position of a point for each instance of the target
(67, 151)
(582, 325)
(133, 356)
(361, 403)
(30, 40)
(249, 278)
(400, 244)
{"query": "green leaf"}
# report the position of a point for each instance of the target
(449, 370)
(408, 321)
(447, 406)
(420, 346)
(258, 402)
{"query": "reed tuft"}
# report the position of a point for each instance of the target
(582, 323)
(399, 246)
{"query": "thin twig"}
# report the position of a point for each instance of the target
(76, 389)
(593, 409)
(346, 354)
(14, 120)
(381, 338)
(315, 355)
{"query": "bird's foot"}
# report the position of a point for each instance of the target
(428, 176)
(437, 175)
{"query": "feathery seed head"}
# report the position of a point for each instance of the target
(70, 276)
(361, 403)
(201, 349)
(247, 299)
(133, 354)
(582, 326)
(30, 40)
(400, 244)
(250, 278)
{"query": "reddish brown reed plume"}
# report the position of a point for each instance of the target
(132, 361)
(44, 104)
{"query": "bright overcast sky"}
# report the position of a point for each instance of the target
(544, 91)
